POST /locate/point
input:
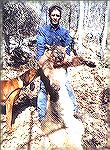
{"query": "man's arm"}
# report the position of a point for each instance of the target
(67, 45)
(40, 39)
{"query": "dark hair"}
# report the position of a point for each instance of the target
(53, 8)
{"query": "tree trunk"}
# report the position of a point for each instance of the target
(80, 28)
(104, 36)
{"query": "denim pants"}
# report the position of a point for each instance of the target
(42, 99)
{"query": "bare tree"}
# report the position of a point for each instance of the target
(80, 28)
(19, 21)
(104, 35)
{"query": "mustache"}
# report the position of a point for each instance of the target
(57, 21)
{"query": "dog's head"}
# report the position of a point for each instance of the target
(28, 76)
(25, 78)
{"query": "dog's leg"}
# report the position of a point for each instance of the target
(9, 106)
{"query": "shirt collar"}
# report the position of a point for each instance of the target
(51, 27)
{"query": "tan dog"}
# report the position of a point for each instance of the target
(10, 90)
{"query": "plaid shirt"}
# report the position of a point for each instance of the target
(49, 35)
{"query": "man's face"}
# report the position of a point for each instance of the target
(55, 17)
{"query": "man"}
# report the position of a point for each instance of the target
(52, 34)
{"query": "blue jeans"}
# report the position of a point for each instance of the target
(72, 96)
(42, 99)
(42, 102)
(71, 93)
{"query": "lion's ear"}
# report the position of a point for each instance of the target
(47, 47)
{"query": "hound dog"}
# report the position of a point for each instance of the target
(10, 90)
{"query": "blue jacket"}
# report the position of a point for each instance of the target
(48, 35)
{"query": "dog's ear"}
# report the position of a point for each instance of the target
(22, 77)
(25, 77)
